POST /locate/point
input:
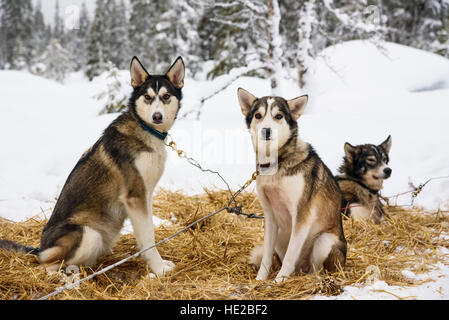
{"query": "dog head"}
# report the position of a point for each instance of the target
(271, 122)
(368, 163)
(156, 98)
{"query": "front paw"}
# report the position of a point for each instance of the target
(280, 279)
(164, 267)
(262, 275)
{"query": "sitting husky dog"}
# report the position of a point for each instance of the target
(363, 171)
(115, 179)
(298, 193)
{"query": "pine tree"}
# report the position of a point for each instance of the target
(41, 37)
(117, 32)
(56, 62)
(431, 26)
(141, 29)
(323, 23)
(442, 45)
(96, 49)
(236, 32)
(76, 39)
(176, 33)
(289, 26)
(17, 33)
(113, 98)
(81, 36)
(58, 24)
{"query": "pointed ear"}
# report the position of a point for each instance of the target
(349, 152)
(138, 73)
(246, 100)
(176, 73)
(386, 145)
(297, 106)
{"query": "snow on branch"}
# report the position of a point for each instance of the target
(356, 21)
(220, 84)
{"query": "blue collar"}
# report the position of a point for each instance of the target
(158, 134)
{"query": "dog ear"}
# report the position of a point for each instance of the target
(176, 73)
(138, 73)
(350, 152)
(297, 106)
(386, 145)
(246, 100)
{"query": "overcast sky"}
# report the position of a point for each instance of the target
(48, 7)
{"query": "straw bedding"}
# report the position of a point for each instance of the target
(212, 257)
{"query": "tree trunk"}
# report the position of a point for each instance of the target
(274, 46)
(303, 58)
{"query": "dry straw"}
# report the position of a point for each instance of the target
(212, 257)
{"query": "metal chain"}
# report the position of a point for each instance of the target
(419, 188)
(236, 209)
(415, 192)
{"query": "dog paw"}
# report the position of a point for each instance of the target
(280, 278)
(165, 267)
(52, 269)
(169, 264)
(262, 276)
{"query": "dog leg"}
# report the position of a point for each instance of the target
(298, 237)
(336, 258)
(322, 247)
(142, 222)
(270, 235)
(90, 248)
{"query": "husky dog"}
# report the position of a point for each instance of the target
(298, 193)
(115, 179)
(364, 169)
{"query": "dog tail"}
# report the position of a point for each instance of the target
(255, 256)
(17, 247)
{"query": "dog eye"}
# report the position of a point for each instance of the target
(166, 96)
(371, 161)
(147, 96)
(279, 116)
(257, 116)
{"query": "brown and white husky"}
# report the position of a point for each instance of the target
(298, 193)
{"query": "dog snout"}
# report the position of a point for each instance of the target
(266, 133)
(157, 117)
(387, 172)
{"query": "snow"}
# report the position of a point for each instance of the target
(358, 93)
(434, 286)
(360, 65)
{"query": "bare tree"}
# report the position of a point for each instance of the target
(274, 46)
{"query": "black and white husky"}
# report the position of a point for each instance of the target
(298, 193)
(115, 179)
(364, 169)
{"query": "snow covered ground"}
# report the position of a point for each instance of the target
(358, 93)
(435, 286)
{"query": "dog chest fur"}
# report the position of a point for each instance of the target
(150, 166)
(282, 193)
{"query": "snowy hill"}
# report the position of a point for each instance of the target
(359, 65)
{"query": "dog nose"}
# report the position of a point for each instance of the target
(157, 117)
(387, 172)
(266, 133)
